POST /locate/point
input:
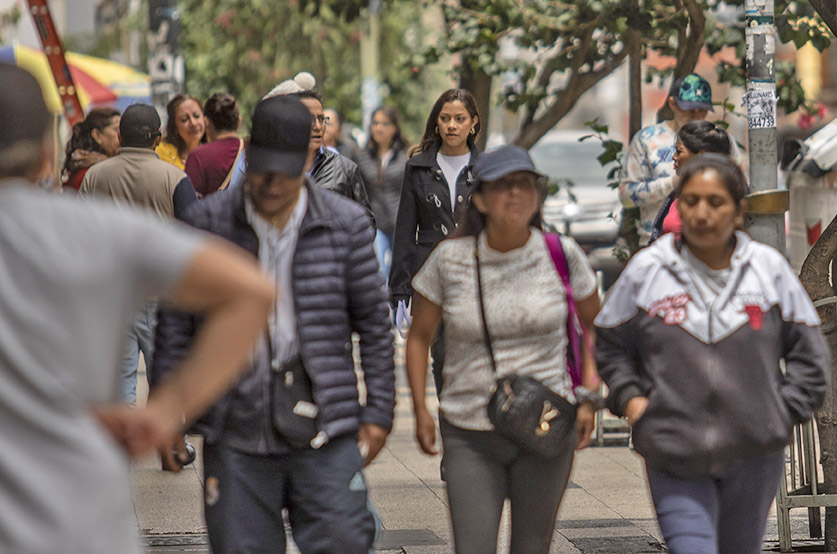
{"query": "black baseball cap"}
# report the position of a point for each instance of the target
(139, 125)
(502, 161)
(24, 117)
(279, 136)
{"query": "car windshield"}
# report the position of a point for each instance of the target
(572, 160)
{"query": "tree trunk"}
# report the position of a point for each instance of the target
(478, 83)
(630, 216)
(814, 277)
(828, 12)
(689, 45)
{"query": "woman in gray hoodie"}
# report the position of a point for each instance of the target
(690, 343)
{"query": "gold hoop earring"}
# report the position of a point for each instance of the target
(437, 129)
(473, 131)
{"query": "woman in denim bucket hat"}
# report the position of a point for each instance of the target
(526, 315)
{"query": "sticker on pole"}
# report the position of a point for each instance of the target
(761, 109)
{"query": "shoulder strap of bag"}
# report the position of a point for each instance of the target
(485, 334)
(226, 182)
(574, 323)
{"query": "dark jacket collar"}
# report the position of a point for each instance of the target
(428, 157)
(315, 215)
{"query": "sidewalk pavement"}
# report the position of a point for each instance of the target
(606, 508)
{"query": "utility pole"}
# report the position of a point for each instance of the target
(370, 44)
(165, 61)
(765, 219)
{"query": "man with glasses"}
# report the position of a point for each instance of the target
(326, 168)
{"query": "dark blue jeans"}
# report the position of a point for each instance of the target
(323, 490)
(717, 515)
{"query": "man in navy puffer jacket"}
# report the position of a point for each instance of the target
(317, 247)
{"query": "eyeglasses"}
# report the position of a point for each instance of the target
(322, 120)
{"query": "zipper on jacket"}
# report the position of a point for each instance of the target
(712, 432)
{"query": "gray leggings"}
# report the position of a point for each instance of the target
(482, 470)
(717, 515)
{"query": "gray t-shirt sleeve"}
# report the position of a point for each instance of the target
(162, 251)
(428, 281)
(582, 278)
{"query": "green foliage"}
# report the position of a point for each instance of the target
(246, 47)
(9, 18)
(572, 41)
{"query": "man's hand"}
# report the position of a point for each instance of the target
(139, 430)
(584, 423)
(370, 440)
(635, 408)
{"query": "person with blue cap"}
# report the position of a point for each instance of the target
(649, 165)
(502, 261)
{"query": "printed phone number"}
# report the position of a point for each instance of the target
(761, 122)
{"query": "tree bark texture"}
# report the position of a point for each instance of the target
(814, 277)
(478, 83)
(828, 12)
(689, 46)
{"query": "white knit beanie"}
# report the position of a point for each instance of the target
(301, 81)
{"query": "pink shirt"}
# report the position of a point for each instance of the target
(672, 222)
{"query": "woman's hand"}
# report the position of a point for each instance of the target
(584, 423)
(426, 432)
(635, 408)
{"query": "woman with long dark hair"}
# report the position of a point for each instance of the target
(93, 140)
(500, 259)
(695, 137)
(382, 165)
(185, 129)
(437, 180)
(712, 350)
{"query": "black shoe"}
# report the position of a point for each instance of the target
(181, 459)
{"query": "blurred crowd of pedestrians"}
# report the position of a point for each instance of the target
(264, 277)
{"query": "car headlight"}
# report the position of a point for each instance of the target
(571, 210)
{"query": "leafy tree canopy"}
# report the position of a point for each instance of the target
(246, 47)
(574, 44)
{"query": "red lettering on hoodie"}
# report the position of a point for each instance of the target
(673, 309)
(755, 314)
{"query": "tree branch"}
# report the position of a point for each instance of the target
(578, 84)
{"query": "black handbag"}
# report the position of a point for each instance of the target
(524, 410)
(293, 410)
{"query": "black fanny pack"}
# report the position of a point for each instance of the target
(294, 412)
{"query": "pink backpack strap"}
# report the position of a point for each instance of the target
(575, 327)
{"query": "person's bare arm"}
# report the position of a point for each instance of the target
(426, 319)
(228, 287)
(585, 418)
(588, 309)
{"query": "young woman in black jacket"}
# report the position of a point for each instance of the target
(437, 181)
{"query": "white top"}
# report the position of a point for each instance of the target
(526, 309)
(276, 256)
(72, 275)
(708, 282)
(451, 167)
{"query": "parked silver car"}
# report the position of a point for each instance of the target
(584, 207)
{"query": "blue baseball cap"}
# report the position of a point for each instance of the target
(502, 161)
